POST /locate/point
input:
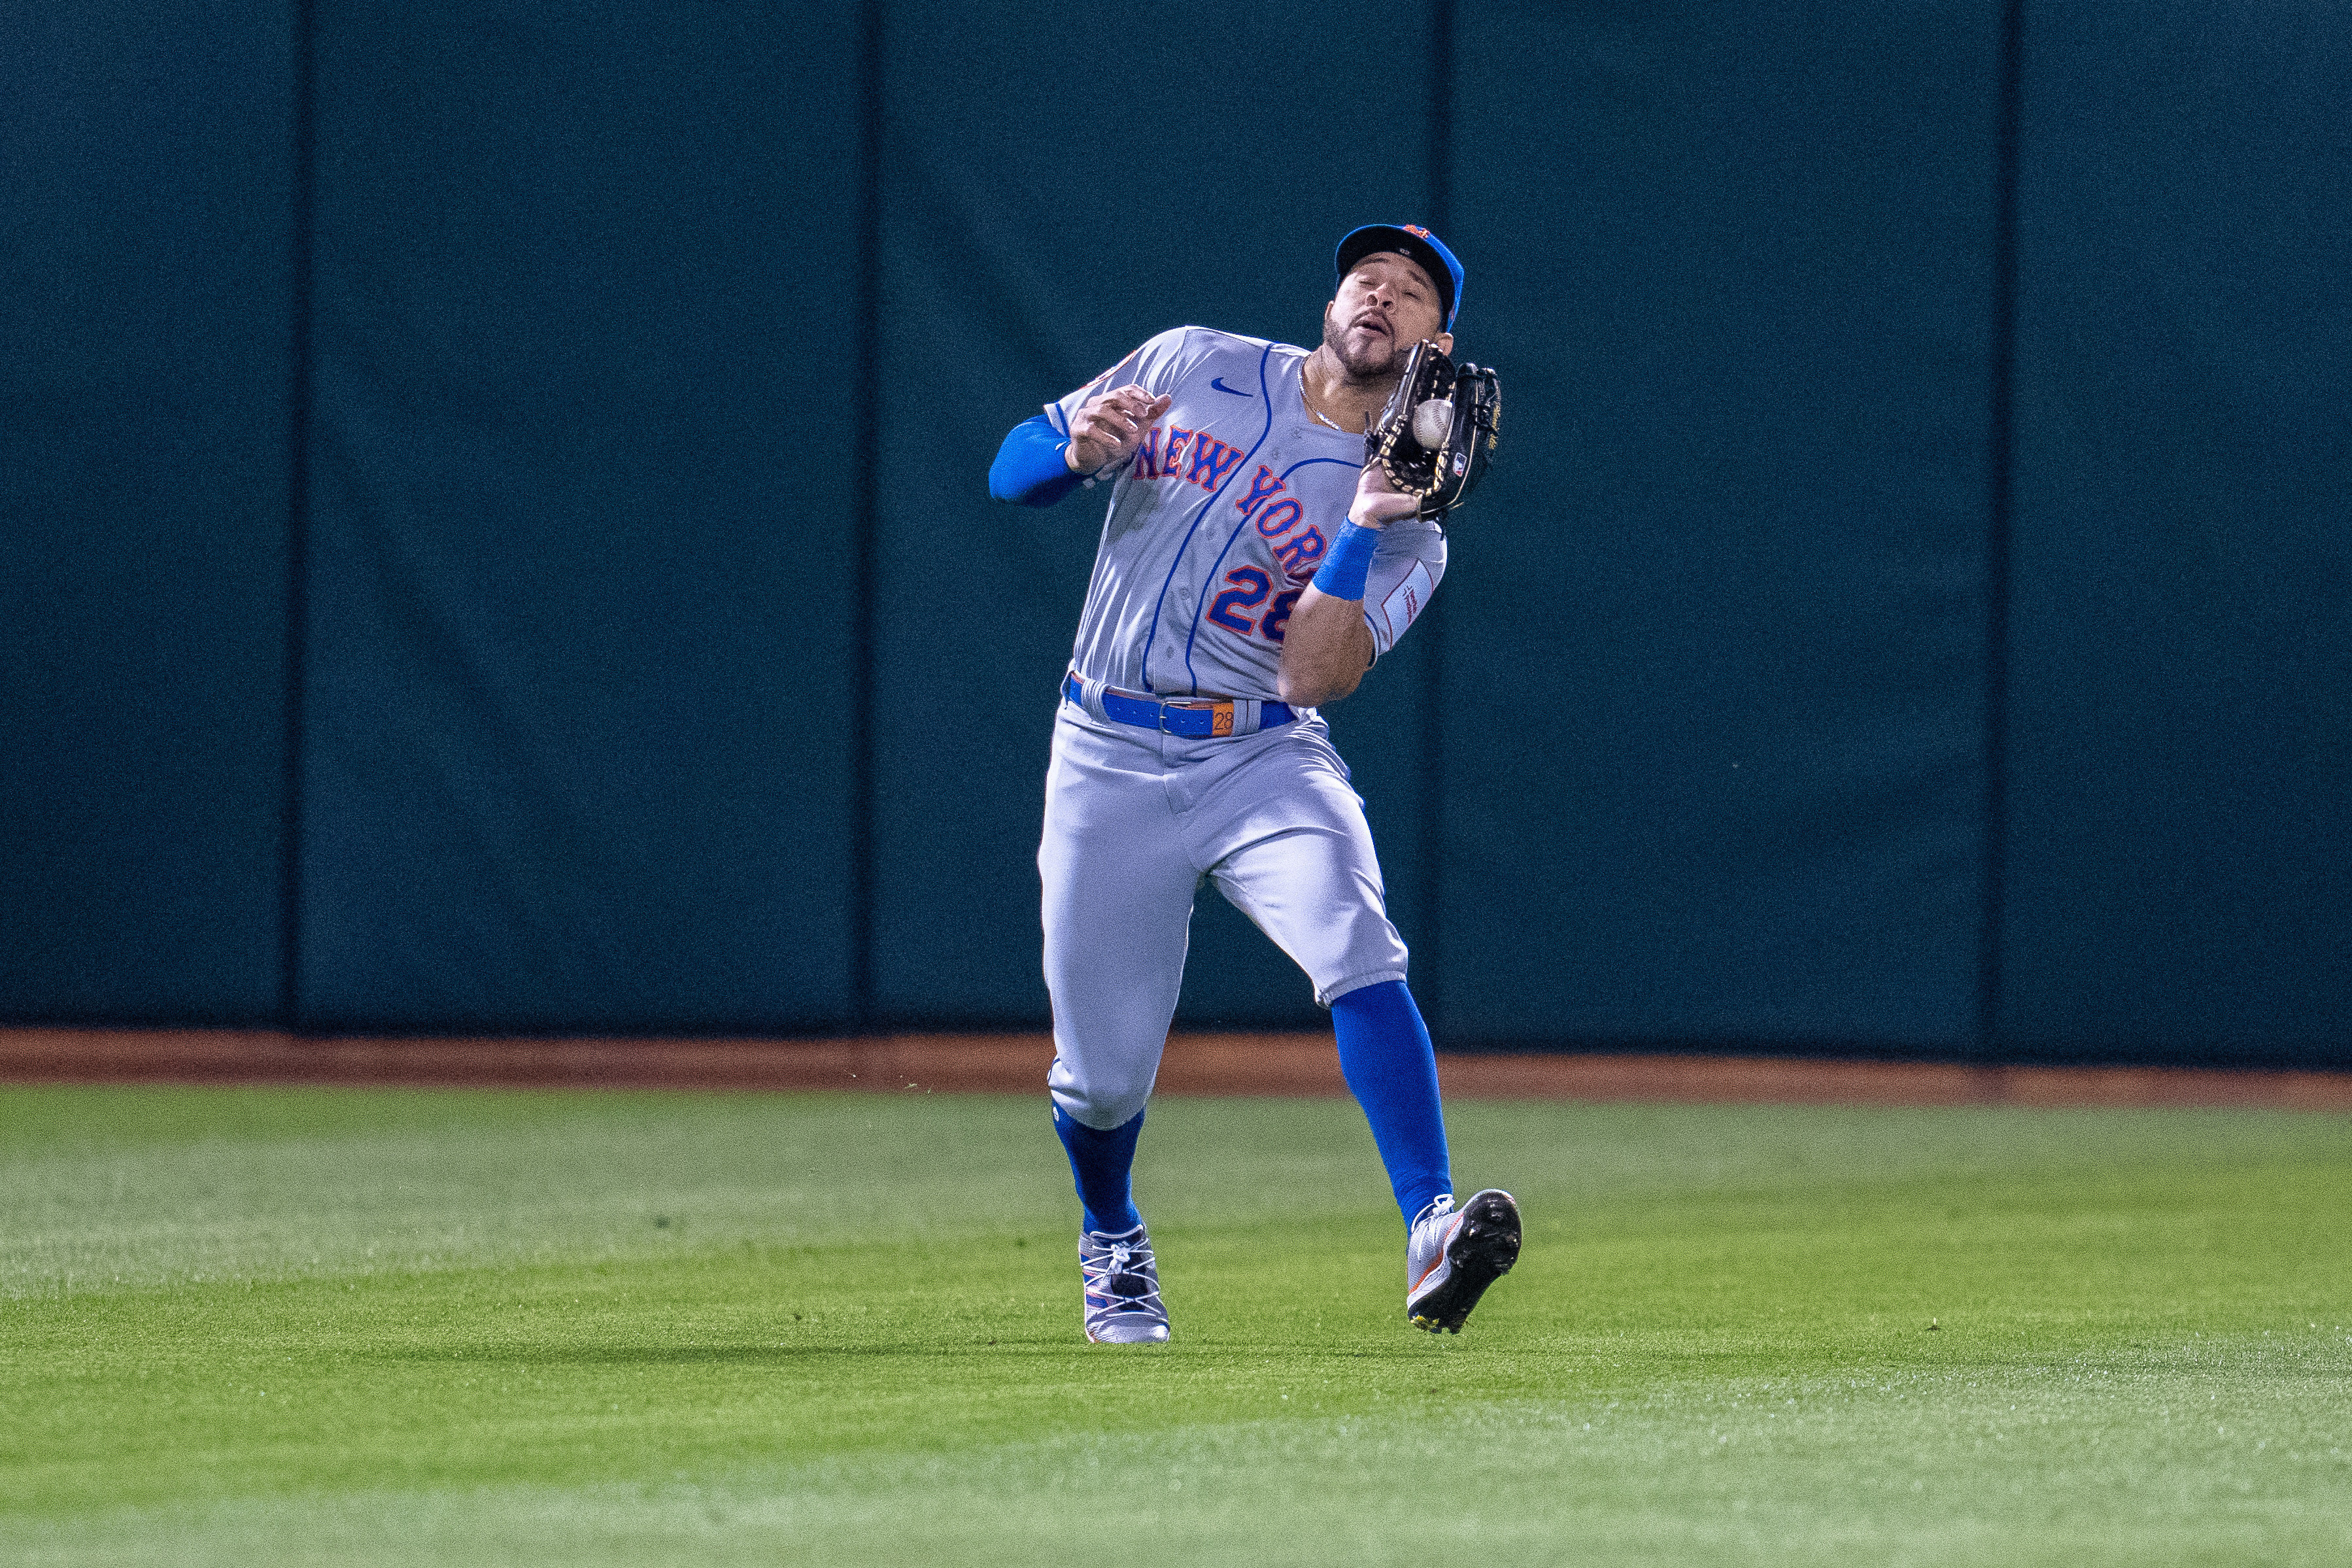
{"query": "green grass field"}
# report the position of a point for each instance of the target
(463, 1327)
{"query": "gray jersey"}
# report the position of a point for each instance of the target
(1220, 518)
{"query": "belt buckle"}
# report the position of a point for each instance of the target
(1220, 719)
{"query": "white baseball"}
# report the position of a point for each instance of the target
(1433, 422)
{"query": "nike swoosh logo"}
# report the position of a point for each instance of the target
(1218, 381)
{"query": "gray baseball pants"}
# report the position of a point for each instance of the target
(1135, 820)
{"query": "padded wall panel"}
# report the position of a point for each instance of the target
(1198, 173)
(145, 324)
(2179, 847)
(577, 752)
(1717, 774)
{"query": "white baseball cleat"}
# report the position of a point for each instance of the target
(1452, 1255)
(1122, 1289)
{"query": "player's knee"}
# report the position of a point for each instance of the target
(1096, 1100)
(1102, 1112)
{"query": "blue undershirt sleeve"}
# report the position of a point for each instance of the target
(1029, 469)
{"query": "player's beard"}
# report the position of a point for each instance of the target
(1384, 363)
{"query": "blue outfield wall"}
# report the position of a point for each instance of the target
(574, 757)
(2180, 834)
(1715, 733)
(655, 662)
(146, 362)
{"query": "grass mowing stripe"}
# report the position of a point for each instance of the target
(107, 1187)
(1735, 1299)
(1691, 1473)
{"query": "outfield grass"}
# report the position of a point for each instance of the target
(459, 1327)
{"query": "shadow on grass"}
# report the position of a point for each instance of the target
(694, 1355)
(774, 1354)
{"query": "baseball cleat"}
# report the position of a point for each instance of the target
(1452, 1255)
(1122, 1289)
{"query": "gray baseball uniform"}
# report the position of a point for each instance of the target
(1216, 524)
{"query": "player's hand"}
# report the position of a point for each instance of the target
(1106, 429)
(1377, 501)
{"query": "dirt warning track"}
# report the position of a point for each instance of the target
(1016, 1063)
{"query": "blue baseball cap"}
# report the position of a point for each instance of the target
(1410, 239)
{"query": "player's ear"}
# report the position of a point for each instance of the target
(1444, 342)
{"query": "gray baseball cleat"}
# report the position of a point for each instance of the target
(1122, 1289)
(1452, 1255)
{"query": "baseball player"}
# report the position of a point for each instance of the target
(1251, 568)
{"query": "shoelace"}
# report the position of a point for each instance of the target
(1127, 1259)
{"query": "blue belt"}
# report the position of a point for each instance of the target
(1209, 718)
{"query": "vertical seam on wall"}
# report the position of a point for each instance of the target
(1429, 943)
(298, 511)
(867, 520)
(1999, 509)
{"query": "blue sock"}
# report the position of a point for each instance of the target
(1101, 1161)
(1391, 1070)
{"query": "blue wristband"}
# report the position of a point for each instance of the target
(1350, 562)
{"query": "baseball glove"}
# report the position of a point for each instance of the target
(1436, 436)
